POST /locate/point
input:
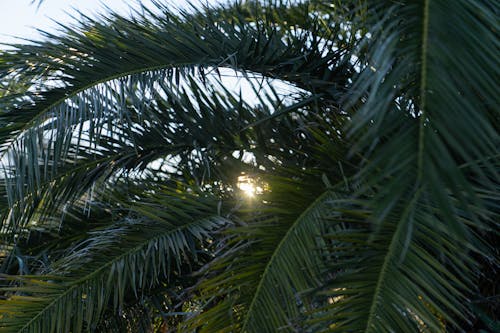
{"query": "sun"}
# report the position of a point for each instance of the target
(248, 186)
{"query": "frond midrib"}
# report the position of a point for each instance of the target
(423, 88)
(283, 241)
(388, 259)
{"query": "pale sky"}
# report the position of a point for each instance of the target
(20, 17)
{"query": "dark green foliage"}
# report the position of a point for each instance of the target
(124, 147)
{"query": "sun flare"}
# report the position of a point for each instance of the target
(248, 186)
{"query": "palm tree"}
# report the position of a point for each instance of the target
(374, 173)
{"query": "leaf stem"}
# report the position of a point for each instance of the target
(423, 89)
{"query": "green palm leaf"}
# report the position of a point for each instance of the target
(417, 124)
(261, 276)
(96, 101)
(131, 256)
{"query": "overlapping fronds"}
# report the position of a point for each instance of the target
(423, 105)
(392, 102)
(258, 282)
(94, 109)
(131, 256)
(422, 273)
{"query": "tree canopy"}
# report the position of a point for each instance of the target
(350, 185)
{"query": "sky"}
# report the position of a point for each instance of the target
(19, 18)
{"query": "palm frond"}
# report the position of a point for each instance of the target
(394, 280)
(59, 132)
(257, 281)
(292, 268)
(415, 123)
(131, 256)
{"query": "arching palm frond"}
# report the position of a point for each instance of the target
(74, 110)
(134, 254)
(258, 281)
